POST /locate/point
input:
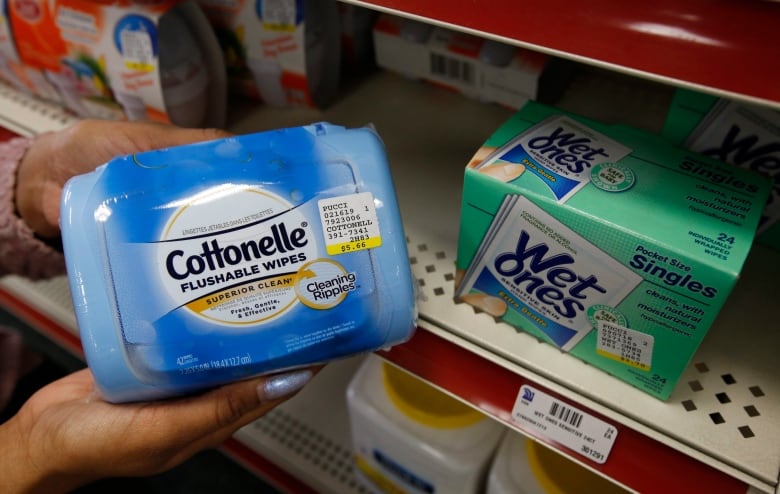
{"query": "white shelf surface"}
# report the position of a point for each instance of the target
(430, 134)
(308, 436)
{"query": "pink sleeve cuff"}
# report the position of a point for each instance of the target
(20, 251)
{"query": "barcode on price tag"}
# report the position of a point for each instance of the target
(453, 69)
(549, 418)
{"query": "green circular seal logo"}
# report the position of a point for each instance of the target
(612, 177)
(601, 312)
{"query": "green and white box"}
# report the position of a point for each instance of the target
(605, 241)
(736, 133)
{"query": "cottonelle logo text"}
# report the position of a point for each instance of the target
(279, 245)
(238, 268)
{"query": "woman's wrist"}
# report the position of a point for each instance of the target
(21, 250)
(33, 189)
(25, 471)
(19, 471)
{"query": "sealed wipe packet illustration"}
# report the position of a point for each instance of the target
(560, 152)
(201, 264)
(546, 272)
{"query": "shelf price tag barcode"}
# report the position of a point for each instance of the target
(452, 68)
(548, 418)
(566, 414)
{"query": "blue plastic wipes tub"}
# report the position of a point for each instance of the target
(197, 265)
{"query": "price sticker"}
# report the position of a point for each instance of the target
(137, 50)
(625, 345)
(279, 15)
(349, 223)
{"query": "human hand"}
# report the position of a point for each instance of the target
(55, 157)
(65, 436)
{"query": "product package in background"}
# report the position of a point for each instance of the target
(13, 71)
(737, 133)
(201, 264)
(409, 437)
(357, 38)
(479, 68)
(138, 61)
(281, 52)
(605, 241)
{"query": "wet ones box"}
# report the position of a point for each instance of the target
(736, 133)
(197, 265)
(605, 241)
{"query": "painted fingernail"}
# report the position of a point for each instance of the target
(282, 385)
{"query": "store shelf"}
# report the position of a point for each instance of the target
(725, 47)
(428, 167)
(308, 436)
(27, 116)
(430, 134)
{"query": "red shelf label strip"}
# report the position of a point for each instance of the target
(635, 460)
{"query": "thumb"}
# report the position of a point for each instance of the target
(206, 421)
(50, 209)
(217, 414)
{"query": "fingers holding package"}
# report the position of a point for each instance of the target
(55, 157)
(95, 439)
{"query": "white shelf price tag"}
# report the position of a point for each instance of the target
(562, 423)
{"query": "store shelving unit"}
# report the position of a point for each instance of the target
(721, 46)
(720, 431)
